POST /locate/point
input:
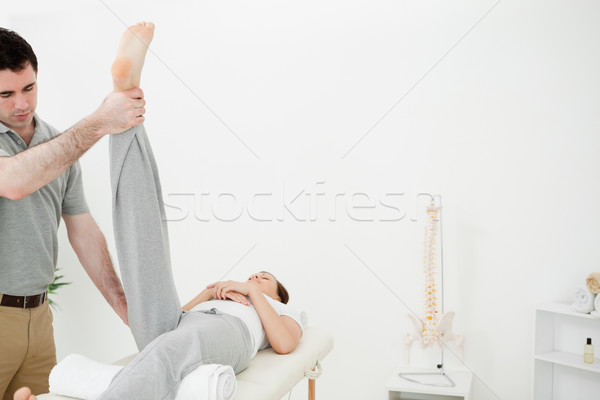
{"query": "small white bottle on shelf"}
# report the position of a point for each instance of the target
(588, 352)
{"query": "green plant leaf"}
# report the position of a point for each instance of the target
(54, 286)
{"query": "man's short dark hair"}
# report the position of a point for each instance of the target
(15, 52)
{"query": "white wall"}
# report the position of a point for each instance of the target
(505, 126)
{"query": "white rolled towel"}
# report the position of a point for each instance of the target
(210, 382)
(78, 376)
(583, 300)
(83, 378)
(596, 311)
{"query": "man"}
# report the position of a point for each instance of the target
(40, 181)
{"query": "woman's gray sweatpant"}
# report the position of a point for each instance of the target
(171, 343)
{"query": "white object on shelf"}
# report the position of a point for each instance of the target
(559, 370)
(565, 309)
(399, 388)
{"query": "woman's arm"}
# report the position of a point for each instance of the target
(201, 297)
(282, 331)
(209, 294)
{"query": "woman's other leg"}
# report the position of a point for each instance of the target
(201, 338)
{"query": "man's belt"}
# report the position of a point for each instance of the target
(23, 301)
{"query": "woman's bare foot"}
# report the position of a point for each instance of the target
(127, 67)
(24, 394)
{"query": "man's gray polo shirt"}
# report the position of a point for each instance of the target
(28, 227)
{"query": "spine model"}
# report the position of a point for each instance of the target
(430, 322)
(434, 327)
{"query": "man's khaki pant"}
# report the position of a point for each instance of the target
(27, 350)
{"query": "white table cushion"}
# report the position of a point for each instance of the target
(270, 375)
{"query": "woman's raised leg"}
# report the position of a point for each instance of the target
(139, 221)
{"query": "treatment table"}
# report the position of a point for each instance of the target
(270, 375)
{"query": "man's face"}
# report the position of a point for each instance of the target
(18, 98)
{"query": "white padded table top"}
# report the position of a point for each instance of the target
(270, 375)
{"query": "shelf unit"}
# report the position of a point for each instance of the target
(559, 370)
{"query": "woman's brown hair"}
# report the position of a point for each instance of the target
(281, 290)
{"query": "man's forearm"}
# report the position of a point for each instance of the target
(90, 246)
(107, 281)
(99, 266)
(32, 169)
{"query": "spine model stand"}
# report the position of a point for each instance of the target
(435, 326)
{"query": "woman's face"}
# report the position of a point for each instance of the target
(267, 284)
